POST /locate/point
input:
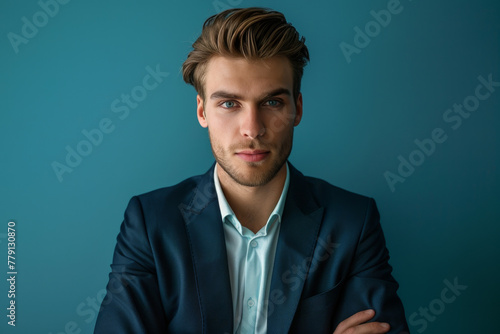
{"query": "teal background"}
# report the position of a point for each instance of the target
(442, 223)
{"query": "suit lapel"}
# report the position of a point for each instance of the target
(208, 251)
(298, 235)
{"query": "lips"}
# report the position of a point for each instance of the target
(253, 155)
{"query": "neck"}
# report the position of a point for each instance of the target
(252, 205)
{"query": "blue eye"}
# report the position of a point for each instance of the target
(228, 104)
(273, 103)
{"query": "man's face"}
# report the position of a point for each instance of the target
(250, 114)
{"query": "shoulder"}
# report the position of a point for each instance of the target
(176, 191)
(342, 202)
(168, 200)
(348, 216)
(324, 193)
(159, 212)
(343, 210)
(325, 189)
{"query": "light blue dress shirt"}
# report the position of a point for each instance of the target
(250, 259)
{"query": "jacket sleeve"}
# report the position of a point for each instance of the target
(132, 303)
(370, 283)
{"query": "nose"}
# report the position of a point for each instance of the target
(252, 125)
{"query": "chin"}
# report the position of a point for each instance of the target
(254, 174)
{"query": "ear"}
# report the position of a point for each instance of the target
(298, 111)
(200, 112)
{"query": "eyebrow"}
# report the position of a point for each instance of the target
(220, 94)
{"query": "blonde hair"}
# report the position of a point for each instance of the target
(250, 33)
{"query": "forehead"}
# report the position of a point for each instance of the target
(249, 76)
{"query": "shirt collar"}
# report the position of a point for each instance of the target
(228, 214)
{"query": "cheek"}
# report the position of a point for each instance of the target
(224, 125)
(280, 124)
(221, 133)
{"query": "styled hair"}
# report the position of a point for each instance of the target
(252, 33)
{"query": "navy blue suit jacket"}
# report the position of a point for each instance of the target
(170, 271)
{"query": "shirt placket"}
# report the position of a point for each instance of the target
(253, 276)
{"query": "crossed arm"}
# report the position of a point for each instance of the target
(357, 324)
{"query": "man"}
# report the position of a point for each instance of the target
(252, 246)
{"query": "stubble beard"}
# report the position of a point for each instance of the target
(260, 176)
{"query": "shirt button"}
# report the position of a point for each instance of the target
(251, 302)
(254, 243)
